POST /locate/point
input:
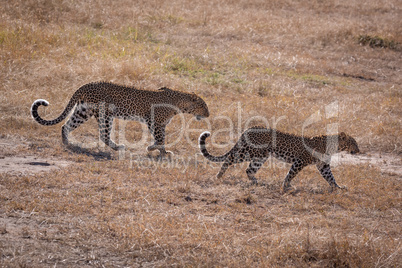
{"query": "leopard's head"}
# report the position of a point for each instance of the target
(348, 144)
(196, 106)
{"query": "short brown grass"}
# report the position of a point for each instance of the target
(282, 60)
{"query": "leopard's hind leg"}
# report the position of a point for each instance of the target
(294, 169)
(224, 167)
(234, 157)
(105, 118)
(80, 115)
(105, 130)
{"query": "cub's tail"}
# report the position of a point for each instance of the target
(40, 120)
(204, 151)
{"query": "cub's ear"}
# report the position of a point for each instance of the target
(194, 96)
(343, 135)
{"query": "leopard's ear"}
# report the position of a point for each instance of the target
(342, 136)
(165, 89)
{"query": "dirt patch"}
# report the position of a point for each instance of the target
(12, 161)
(388, 163)
(30, 164)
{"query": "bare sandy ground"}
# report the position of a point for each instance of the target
(386, 162)
(13, 163)
(30, 164)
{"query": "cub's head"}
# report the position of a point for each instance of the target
(194, 105)
(348, 144)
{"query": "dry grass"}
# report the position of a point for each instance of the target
(282, 60)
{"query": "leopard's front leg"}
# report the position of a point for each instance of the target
(325, 171)
(254, 166)
(158, 132)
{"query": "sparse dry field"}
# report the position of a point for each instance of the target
(254, 62)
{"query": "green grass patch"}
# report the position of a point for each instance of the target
(310, 78)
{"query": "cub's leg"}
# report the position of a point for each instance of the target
(232, 158)
(105, 129)
(224, 167)
(254, 166)
(325, 171)
(294, 169)
(81, 115)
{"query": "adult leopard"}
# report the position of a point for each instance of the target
(106, 101)
(257, 143)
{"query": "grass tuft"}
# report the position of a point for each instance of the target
(376, 41)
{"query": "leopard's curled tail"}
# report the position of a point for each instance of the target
(204, 151)
(40, 120)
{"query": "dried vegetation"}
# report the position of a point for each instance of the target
(282, 60)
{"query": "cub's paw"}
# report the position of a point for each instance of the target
(288, 189)
(338, 187)
(167, 155)
(343, 187)
(151, 148)
(120, 147)
(254, 181)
